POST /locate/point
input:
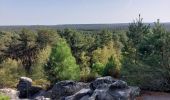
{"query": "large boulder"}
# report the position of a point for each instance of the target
(106, 88)
(25, 88)
(66, 88)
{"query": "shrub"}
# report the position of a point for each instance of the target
(84, 74)
(97, 68)
(10, 71)
(144, 76)
(111, 68)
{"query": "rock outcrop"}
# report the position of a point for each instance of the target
(66, 88)
(104, 88)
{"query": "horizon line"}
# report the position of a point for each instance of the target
(77, 24)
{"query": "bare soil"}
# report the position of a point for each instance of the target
(149, 95)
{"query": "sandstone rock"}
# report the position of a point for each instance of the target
(102, 82)
(25, 88)
(119, 84)
(25, 79)
(135, 91)
(65, 88)
(83, 94)
(13, 94)
(104, 88)
(101, 94)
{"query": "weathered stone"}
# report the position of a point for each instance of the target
(65, 88)
(24, 86)
(119, 84)
(100, 94)
(83, 94)
(102, 82)
(13, 94)
(104, 88)
(135, 91)
(35, 89)
(42, 95)
(25, 79)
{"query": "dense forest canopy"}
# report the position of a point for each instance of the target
(49, 55)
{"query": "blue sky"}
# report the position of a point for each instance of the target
(52, 12)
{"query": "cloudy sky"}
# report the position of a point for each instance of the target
(52, 12)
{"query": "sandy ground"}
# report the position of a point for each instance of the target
(147, 95)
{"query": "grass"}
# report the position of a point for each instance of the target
(4, 97)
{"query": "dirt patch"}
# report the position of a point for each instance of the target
(149, 95)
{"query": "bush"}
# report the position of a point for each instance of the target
(144, 76)
(10, 71)
(111, 68)
(84, 74)
(97, 68)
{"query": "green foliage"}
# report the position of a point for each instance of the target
(47, 37)
(10, 70)
(140, 55)
(149, 55)
(41, 59)
(105, 36)
(97, 68)
(85, 73)
(4, 97)
(111, 68)
(62, 64)
(7, 39)
(102, 55)
(31, 49)
(137, 32)
(85, 69)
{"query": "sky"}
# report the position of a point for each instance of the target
(54, 12)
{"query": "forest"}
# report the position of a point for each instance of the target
(139, 55)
